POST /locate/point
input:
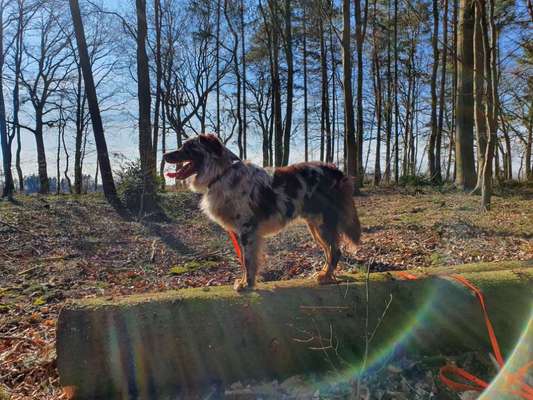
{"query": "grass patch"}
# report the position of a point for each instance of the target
(192, 266)
(436, 259)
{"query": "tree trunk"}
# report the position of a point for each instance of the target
(158, 22)
(529, 146)
(465, 176)
(378, 96)
(360, 28)
(92, 99)
(58, 160)
(163, 147)
(80, 106)
(276, 86)
(491, 104)
(434, 122)
(144, 100)
(442, 100)
(218, 67)
(306, 112)
(67, 159)
(349, 122)
(5, 142)
(281, 326)
(505, 130)
(388, 107)
(325, 126)
(396, 109)
(243, 54)
(453, 130)
(19, 43)
(331, 153)
(44, 184)
(290, 83)
(479, 93)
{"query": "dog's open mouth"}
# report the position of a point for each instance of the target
(185, 169)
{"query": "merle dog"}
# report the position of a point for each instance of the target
(254, 202)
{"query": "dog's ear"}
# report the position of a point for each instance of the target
(212, 143)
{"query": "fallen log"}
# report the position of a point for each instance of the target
(179, 342)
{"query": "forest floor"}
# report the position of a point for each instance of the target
(55, 248)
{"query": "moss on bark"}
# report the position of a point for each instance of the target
(182, 340)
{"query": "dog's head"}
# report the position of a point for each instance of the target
(201, 157)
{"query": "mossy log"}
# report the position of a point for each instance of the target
(151, 346)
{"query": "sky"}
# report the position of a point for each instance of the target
(121, 133)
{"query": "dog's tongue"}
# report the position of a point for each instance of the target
(183, 172)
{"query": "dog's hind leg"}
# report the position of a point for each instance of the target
(250, 245)
(327, 237)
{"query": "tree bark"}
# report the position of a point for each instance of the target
(378, 96)
(44, 184)
(360, 30)
(396, 108)
(325, 126)
(442, 100)
(491, 104)
(67, 159)
(218, 68)
(243, 54)
(81, 98)
(306, 112)
(529, 146)
(349, 122)
(432, 162)
(158, 78)
(163, 147)
(290, 82)
(479, 94)
(389, 102)
(144, 100)
(276, 85)
(465, 177)
(5, 142)
(19, 42)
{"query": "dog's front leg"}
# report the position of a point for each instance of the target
(250, 244)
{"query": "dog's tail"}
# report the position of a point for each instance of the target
(349, 221)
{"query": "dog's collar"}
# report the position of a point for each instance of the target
(219, 176)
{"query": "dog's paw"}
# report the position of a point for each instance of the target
(323, 278)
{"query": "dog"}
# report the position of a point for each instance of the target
(254, 202)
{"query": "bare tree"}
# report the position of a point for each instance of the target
(23, 15)
(236, 70)
(49, 65)
(90, 89)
